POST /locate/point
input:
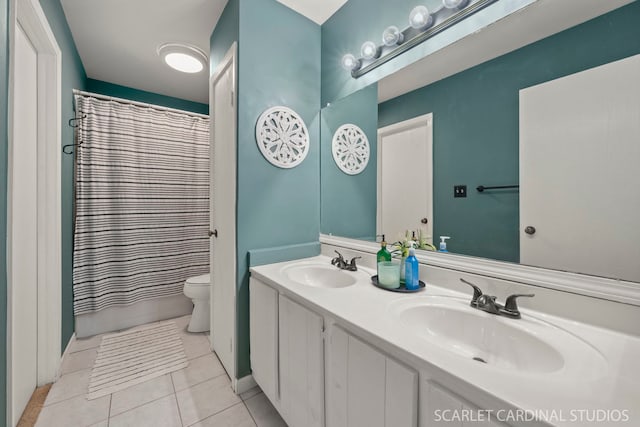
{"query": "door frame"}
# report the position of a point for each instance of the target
(229, 61)
(31, 18)
(424, 120)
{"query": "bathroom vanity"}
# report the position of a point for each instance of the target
(330, 349)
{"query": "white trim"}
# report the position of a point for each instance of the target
(426, 120)
(580, 284)
(30, 16)
(243, 384)
(229, 60)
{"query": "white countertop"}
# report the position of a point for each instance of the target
(610, 382)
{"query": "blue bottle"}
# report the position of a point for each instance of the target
(411, 279)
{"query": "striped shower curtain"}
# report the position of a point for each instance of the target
(141, 204)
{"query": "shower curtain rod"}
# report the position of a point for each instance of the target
(140, 104)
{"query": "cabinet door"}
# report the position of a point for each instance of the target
(301, 365)
(367, 388)
(442, 408)
(263, 336)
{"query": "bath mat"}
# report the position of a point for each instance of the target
(133, 357)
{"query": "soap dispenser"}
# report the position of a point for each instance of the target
(383, 255)
(443, 243)
(412, 272)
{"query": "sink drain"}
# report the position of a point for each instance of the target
(479, 359)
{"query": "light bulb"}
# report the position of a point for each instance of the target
(183, 62)
(369, 50)
(392, 36)
(350, 62)
(420, 18)
(454, 4)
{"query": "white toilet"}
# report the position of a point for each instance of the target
(199, 289)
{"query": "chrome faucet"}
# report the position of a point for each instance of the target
(342, 264)
(489, 304)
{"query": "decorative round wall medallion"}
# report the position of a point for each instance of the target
(282, 137)
(350, 148)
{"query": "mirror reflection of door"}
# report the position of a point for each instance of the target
(405, 178)
(579, 156)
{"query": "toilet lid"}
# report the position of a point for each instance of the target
(199, 280)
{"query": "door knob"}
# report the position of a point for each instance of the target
(530, 230)
(213, 233)
(424, 220)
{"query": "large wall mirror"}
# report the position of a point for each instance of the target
(554, 126)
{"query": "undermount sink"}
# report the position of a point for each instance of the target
(320, 276)
(525, 345)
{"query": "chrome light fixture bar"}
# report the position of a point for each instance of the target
(443, 18)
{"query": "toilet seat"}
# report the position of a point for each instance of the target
(202, 280)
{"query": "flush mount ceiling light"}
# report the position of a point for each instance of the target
(183, 57)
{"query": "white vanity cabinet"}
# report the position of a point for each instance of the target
(287, 355)
(301, 352)
(441, 407)
(367, 388)
(332, 378)
(263, 338)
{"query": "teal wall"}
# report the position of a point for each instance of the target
(278, 65)
(4, 64)
(111, 89)
(73, 77)
(475, 127)
(361, 20)
(348, 202)
(225, 34)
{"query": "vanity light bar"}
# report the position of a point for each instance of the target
(443, 18)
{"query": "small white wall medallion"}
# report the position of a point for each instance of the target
(350, 148)
(282, 137)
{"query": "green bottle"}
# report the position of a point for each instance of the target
(383, 254)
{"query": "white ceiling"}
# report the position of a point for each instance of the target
(117, 39)
(316, 10)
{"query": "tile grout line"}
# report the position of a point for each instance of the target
(198, 383)
(109, 415)
(139, 406)
(70, 397)
(244, 402)
(175, 398)
(111, 395)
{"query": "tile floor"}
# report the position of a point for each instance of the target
(198, 395)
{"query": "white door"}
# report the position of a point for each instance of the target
(24, 230)
(223, 211)
(579, 157)
(405, 161)
(33, 196)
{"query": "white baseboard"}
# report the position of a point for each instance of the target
(243, 384)
(64, 354)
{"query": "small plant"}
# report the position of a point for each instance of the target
(409, 239)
